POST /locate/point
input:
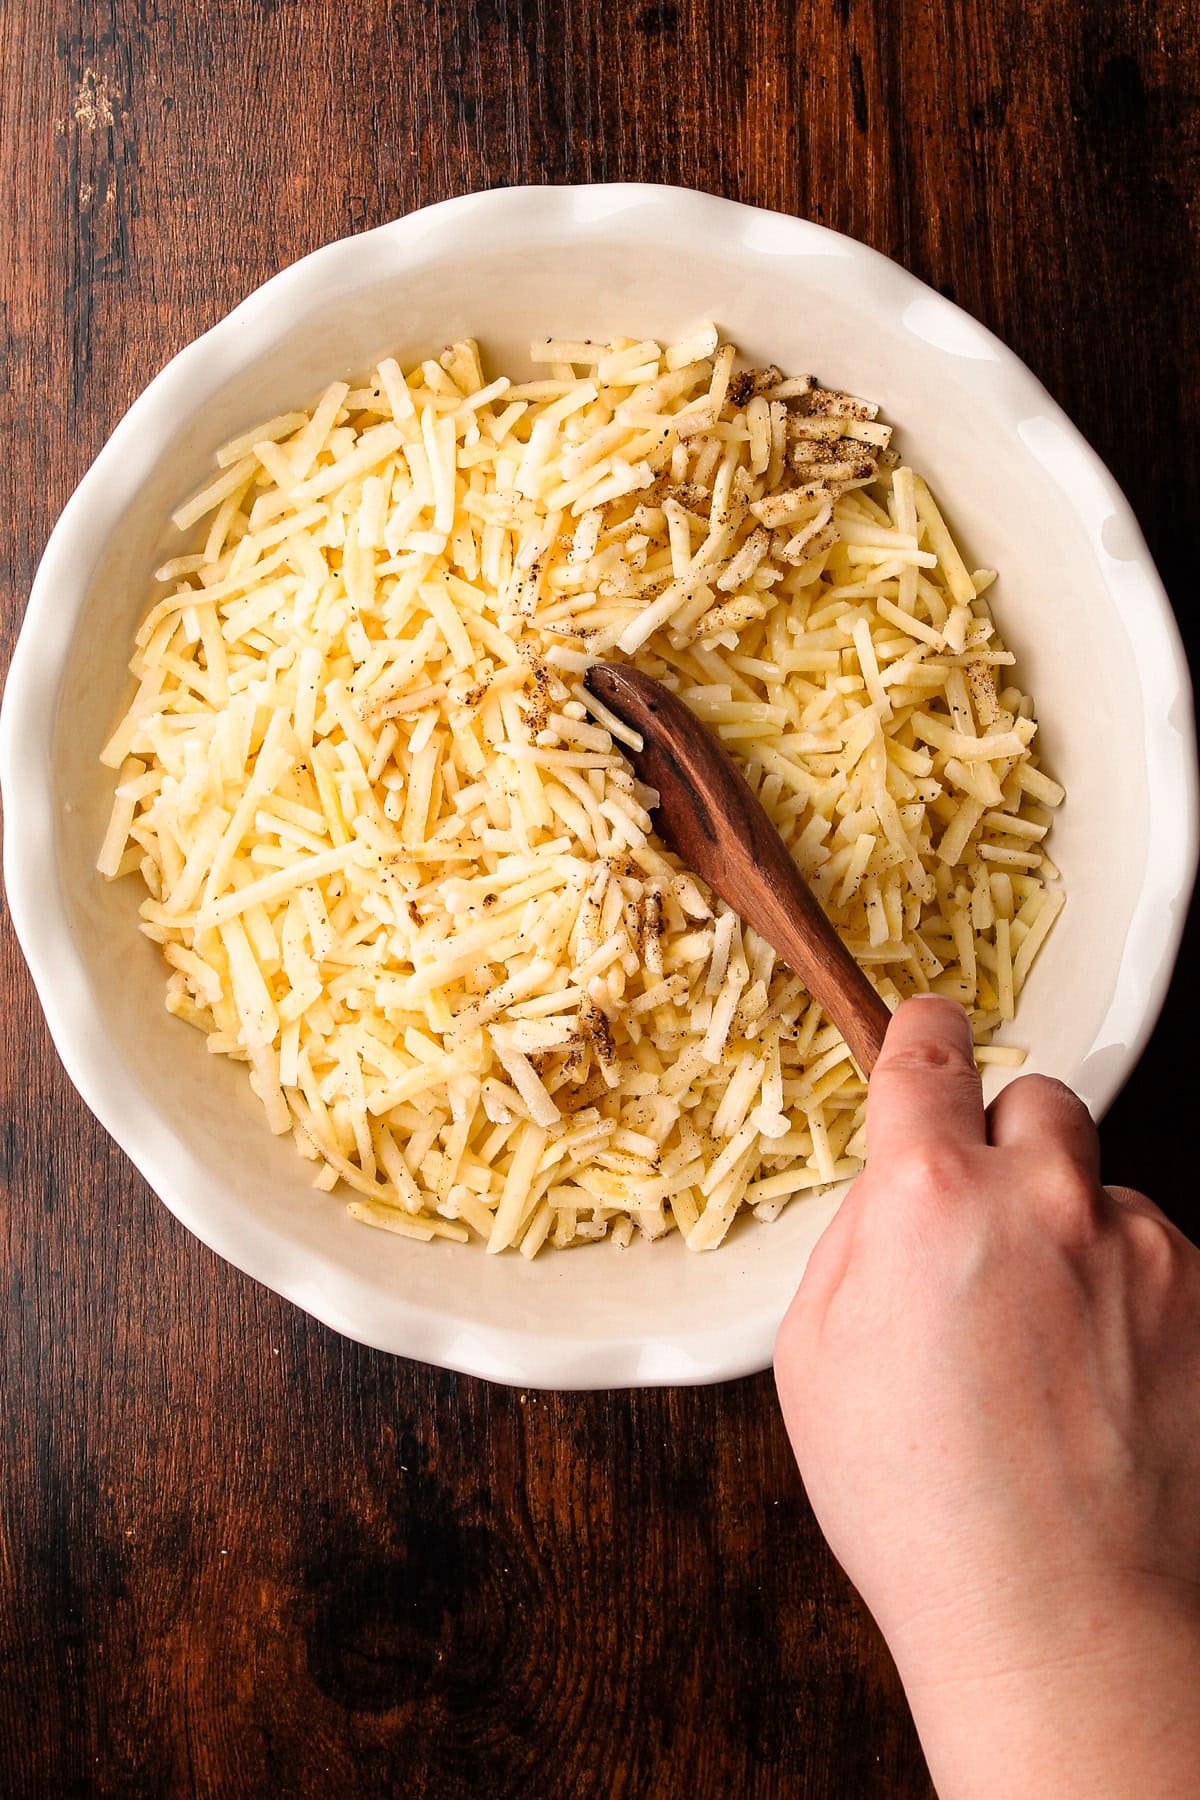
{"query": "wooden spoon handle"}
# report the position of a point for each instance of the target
(710, 817)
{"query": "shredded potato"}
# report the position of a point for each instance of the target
(395, 856)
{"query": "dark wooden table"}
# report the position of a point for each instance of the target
(238, 1555)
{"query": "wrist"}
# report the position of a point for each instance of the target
(1093, 1691)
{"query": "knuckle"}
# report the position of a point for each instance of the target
(1056, 1096)
(934, 1172)
(1043, 1095)
(926, 1055)
(1067, 1199)
(1127, 1198)
(1158, 1249)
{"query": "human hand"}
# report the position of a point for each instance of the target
(991, 1380)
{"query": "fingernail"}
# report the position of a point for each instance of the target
(964, 1023)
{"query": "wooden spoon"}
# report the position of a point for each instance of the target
(709, 816)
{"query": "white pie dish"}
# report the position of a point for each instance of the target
(1078, 599)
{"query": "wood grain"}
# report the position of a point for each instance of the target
(711, 817)
(239, 1555)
